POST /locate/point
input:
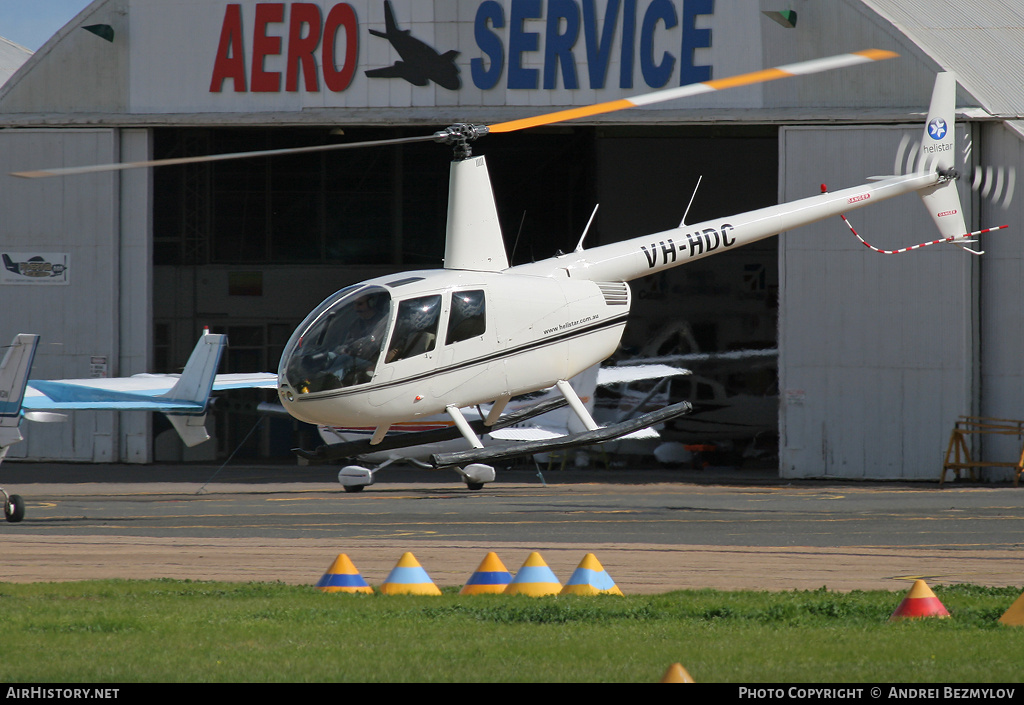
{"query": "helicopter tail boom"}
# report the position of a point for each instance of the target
(639, 257)
(933, 178)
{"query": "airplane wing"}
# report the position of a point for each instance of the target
(185, 393)
(399, 69)
(524, 433)
(607, 376)
(746, 357)
(537, 433)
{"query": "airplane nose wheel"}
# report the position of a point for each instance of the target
(14, 507)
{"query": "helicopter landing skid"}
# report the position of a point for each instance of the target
(512, 450)
(352, 449)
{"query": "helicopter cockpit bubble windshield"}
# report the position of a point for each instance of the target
(339, 343)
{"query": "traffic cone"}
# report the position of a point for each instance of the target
(342, 576)
(409, 578)
(919, 602)
(534, 579)
(590, 578)
(1015, 615)
(677, 674)
(491, 576)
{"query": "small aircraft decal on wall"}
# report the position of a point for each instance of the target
(419, 63)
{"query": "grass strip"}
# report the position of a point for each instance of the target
(183, 631)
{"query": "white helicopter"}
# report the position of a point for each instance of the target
(480, 332)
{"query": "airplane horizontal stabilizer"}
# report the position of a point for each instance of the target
(494, 453)
(191, 428)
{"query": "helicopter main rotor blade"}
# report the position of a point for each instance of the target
(121, 166)
(465, 132)
(802, 68)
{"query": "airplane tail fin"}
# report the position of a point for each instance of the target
(938, 154)
(390, 24)
(195, 385)
(14, 371)
(196, 381)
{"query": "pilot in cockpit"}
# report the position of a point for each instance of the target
(361, 343)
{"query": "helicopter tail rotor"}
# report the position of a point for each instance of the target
(935, 153)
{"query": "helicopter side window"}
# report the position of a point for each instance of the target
(468, 317)
(415, 328)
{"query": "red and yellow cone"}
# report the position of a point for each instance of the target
(342, 576)
(919, 602)
(409, 578)
(677, 674)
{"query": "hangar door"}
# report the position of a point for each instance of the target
(877, 352)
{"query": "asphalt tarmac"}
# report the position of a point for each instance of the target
(654, 530)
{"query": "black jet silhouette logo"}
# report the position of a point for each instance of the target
(419, 63)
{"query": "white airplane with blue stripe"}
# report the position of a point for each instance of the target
(182, 398)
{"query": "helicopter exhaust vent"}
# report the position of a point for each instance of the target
(615, 293)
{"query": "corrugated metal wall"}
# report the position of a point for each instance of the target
(877, 352)
(102, 224)
(1002, 298)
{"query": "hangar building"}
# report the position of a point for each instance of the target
(878, 355)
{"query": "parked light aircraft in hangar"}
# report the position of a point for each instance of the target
(409, 346)
(182, 398)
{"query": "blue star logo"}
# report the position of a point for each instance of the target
(937, 129)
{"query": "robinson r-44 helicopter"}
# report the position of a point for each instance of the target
(479, 332)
